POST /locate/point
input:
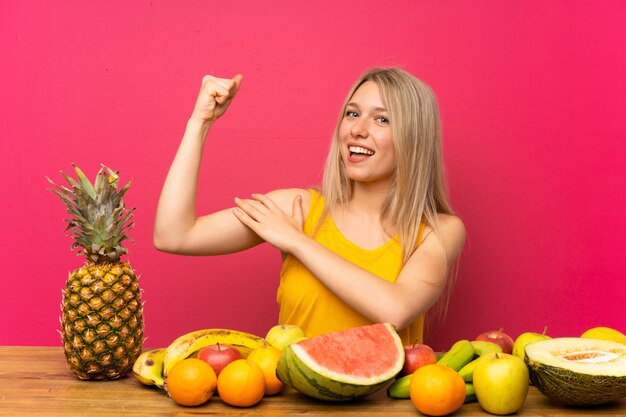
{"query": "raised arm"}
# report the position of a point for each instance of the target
(177, 228)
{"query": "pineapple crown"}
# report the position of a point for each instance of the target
(100, 219)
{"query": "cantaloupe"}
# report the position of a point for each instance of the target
(578, 371)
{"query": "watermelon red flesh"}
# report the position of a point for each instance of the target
(343, 365)
(356, 352)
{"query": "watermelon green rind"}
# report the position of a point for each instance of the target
(318, 386)
(297, 370)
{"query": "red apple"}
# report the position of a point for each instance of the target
(218, 356)
(416, 356)
(499, 338)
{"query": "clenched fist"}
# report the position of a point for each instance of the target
(215, 97)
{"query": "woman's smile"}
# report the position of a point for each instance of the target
(366, 136)
(359, 153)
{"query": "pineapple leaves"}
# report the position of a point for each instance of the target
(125, 188)
(113, 176)
(84, 181)
(99, 218)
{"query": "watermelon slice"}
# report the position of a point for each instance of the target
(344, 365)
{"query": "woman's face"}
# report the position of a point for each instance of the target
(365, 137)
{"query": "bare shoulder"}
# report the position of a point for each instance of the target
(451, 234)
(284, 197)
(450, 224)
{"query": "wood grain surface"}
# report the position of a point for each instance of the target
(36, 381)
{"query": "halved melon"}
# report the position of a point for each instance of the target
(578, 371)
(343, 365)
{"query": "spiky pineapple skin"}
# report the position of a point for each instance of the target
(102, 320)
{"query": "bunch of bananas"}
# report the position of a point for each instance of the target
(462, 357)
(152, 366)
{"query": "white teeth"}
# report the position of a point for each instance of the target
(358, 149)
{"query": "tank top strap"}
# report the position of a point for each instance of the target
(316, 208)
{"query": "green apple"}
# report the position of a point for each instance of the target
(283, 335)
(526, 338)
(501, 383)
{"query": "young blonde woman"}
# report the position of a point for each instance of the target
(378, 243)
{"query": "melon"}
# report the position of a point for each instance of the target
(343, 365)
(578, 371)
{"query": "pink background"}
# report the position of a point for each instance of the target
(532, 95)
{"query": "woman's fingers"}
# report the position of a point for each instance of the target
(217, 91)
(266, 201)
(245, 219)
(231, 85)
(297, 211)
(252, 208)
(226, 89)
(237, 79)
(261, 215)
(221, 90)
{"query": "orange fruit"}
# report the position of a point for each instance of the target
(241, 383)
(191, 382)
(266, 357)
(437, 390)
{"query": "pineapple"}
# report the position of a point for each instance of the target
(102, 312)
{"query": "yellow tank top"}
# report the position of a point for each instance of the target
(306, 302)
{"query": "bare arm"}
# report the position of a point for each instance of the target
(417, 288)
(177, 229)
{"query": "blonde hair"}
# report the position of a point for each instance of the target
(419, 191)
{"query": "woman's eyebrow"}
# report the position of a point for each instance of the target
(376, 109)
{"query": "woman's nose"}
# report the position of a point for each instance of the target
(359, 128)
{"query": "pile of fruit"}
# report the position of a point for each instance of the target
(496, 371)
(242, 368)
(238, 366)
(493, 369)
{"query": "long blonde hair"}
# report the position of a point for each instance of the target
(419, 191)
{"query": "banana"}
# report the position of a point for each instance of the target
(459, 355)
(481, 349)
(467, 372)
(148, 368)
(400, 388)
(190, 343)
(470, 393)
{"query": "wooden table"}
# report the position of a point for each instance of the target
(36, 381)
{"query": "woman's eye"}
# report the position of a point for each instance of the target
(382, 120)
(351, 113)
